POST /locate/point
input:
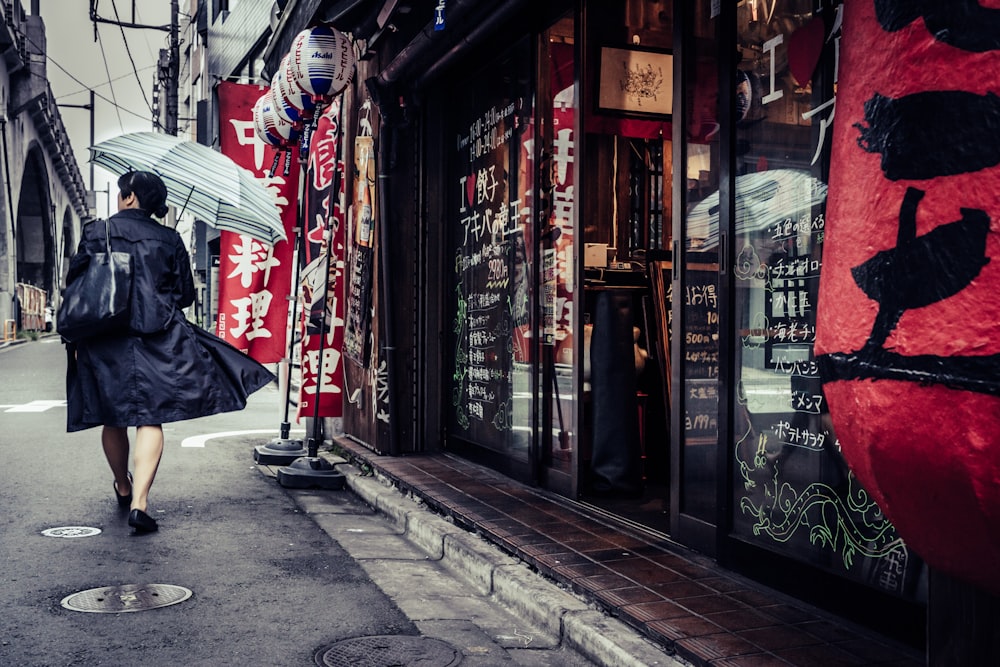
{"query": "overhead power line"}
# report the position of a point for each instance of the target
(88, 87)
(172, 56)
(104, 57)
(128, 50)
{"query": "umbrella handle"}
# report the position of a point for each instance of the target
(186, 200)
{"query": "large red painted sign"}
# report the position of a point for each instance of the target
(907, 326)
(254, 277)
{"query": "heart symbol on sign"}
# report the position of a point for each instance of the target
(470, 188)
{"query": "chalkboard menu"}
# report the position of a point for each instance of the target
(701, 347)
(487, 250)
(701, 338)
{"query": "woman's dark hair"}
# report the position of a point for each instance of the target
(148, 189)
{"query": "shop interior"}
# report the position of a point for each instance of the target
(626, 232)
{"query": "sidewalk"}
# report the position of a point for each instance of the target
(617, 596)
(5, 344)
(457, 588)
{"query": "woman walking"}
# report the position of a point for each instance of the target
(162, 368)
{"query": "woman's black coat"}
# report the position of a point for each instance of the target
(163, 369)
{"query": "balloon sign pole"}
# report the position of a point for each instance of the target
(321, 63)
(311, 470)
(283, 450)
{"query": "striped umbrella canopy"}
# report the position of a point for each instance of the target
(199, 179)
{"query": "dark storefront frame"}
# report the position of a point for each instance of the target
(705, 523)
(817, 582)
(536, 464)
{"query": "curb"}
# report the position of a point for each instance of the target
(586, 630)
(4, 344)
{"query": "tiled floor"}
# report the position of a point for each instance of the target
(680, 600)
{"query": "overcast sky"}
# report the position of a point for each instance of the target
(76, 64)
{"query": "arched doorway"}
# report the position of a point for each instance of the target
(35, 226)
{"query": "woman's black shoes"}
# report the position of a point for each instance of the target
(142, 522)
(123, 501)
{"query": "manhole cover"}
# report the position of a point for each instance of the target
(389, 651)
(72, 531)
(130, 597)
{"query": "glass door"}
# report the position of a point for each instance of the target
(792, 492)
(491, 245)
(699, 198)
(556, 159)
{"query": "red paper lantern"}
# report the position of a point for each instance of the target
(907, 317)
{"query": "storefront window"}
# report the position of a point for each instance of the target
(699, 335)
(491, 249)
(558, 248)
(792, 491)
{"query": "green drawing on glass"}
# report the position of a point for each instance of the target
(852, 527)
(502, 419)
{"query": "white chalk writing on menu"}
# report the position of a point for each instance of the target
(482, 232)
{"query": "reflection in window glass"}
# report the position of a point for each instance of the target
(700, 342)
(560, 277)
(793, 492)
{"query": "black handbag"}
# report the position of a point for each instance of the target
(97, 301)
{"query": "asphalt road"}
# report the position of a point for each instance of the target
(269, 586)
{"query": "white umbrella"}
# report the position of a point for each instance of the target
(198, 179)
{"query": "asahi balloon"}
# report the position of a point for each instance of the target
(291, 102)
(270, 128)
(322, 61)
(907, 321)
(285, 111)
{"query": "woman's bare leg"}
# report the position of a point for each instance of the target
(148, 450)
(115, 442)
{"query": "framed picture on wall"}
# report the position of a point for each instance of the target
(636, 82)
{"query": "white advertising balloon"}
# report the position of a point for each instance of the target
(322, 61)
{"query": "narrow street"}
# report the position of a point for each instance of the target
(269, 586)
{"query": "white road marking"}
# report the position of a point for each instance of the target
(34, 406)
(200, 440)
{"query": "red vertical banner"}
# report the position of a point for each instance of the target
(323, 275)
(255, 277)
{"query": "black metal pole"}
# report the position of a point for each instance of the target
(292, 296)
(282, 450)
(325, 325)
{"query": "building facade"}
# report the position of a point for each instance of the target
(43, 199)
(589, 259)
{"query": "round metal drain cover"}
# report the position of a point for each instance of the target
(72, 531)
(130, 597)
(389, 651)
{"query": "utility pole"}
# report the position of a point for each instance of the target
(173, 71)
(173, 55)
(90, 107)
